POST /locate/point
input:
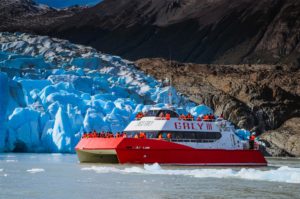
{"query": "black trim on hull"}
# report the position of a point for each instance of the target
(88, 157)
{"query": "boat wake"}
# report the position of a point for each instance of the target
(282, 174)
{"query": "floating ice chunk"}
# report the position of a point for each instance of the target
(35, 170)
(11, 160)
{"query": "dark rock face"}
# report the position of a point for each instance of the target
(209, 31)
(284, 140)
(27, 16)
(259, 98)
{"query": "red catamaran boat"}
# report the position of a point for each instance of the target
(171, 140)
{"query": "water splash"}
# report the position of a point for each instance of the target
(282, 174)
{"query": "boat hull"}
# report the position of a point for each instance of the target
(144, 151)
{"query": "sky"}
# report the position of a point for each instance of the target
(67, 3)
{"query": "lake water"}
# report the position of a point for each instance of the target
(59, 176)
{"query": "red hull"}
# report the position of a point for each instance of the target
(140, 151)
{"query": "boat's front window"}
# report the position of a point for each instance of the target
(157, 113)
(152, 113)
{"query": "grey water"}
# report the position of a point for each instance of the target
(60, 176)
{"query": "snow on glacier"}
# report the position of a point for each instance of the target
(52, 91)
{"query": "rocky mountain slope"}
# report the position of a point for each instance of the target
(261, 97)
(248, 51)
(27, 16)
(206, 31)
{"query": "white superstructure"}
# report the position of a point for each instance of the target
(217, 134)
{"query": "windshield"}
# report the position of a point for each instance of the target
(156, 113)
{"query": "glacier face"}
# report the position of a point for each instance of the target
(52, 91)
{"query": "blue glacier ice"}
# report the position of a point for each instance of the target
(243, 134)
(4, 97)
(52, 91)
(201, 110)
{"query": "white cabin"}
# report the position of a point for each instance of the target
(218, 134)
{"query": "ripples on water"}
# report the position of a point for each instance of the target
(61, 176)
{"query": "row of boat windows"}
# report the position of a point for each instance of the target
(180, 135)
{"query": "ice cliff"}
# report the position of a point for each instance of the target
(52, 91)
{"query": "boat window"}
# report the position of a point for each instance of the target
(180, 136)
(152, 113)
(156, 113)
(193, 136)
(149, 134)
(196, 135)
(172, 113)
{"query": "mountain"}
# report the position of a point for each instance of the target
(261, 98)
(206, 31)
(243, 54)
(26, 15)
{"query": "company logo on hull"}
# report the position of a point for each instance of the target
(193, 126)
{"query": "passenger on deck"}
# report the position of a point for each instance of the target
(169, 136)
(205, 118)
(136, 136)
(140, 115)
(94, 135)
(160, 136)
(189, 117)
(102, 134)
(221, 116)
(182, 117)
(161, 115)
(124, 135)
(252, 140)
(90, 134)
(198, 118)
(168, 116)
(118, 135)
(142, 135)
(211, 117)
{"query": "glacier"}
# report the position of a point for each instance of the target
(51, 91)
